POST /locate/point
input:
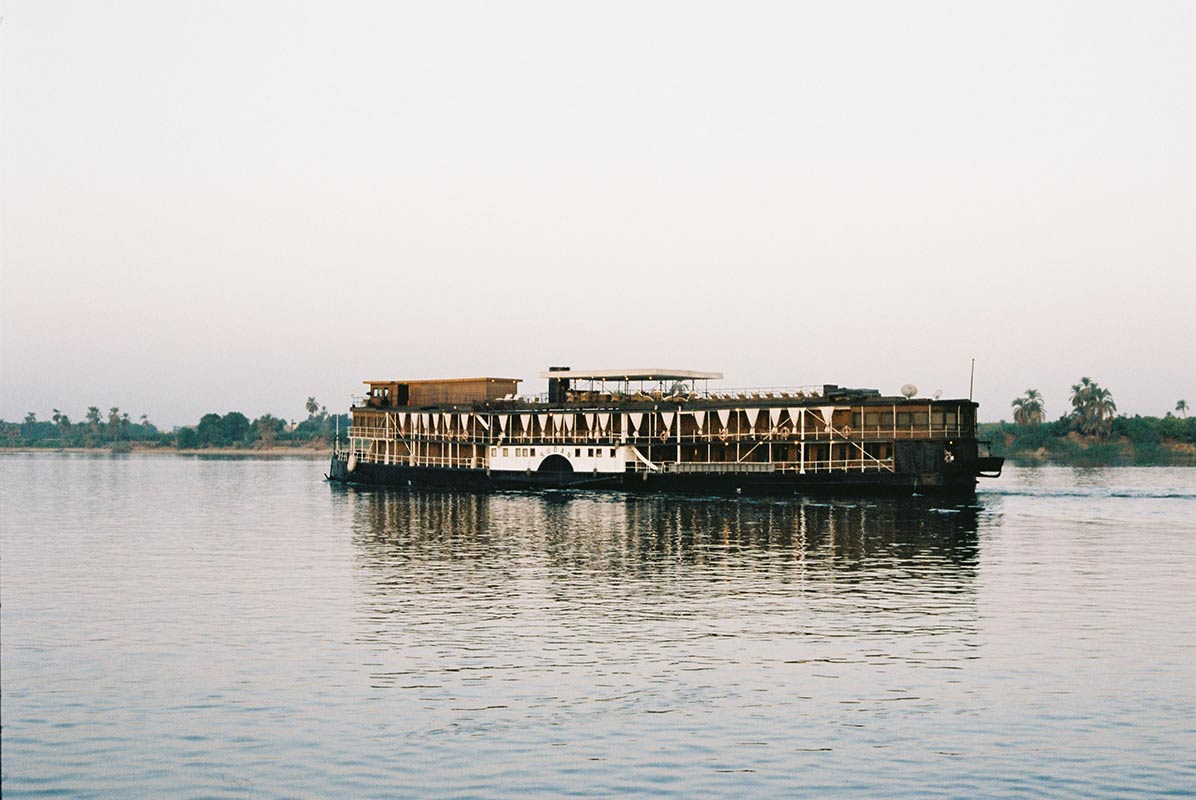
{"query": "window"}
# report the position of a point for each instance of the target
(506, 451)
(590, 452)
(532, 453)
(577, 452)
(612, 452)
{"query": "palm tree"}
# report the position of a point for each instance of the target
(1079, 393)
(1182, 408)
(1029, 409)
(93, 426)
(1093, 407)
(113, 422)
(1103, 410)
(312, 407)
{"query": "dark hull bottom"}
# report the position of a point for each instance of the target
(842, 483)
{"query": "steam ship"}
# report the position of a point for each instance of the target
(660, 430)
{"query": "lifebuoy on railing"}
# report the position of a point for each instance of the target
(664, 436)
(847, 430)
(724, 437)
(785, 430)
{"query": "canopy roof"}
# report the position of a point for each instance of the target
(650, 374)
(447, 380)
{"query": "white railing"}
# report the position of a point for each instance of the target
(739, 467)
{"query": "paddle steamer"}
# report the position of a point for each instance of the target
(660, 430)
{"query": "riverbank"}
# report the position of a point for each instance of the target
(1134, 441)
(321, 452)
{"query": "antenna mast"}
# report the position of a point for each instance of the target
(972, 379)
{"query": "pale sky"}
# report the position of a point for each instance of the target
(214, 206)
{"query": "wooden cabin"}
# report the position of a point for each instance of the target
(437, 392)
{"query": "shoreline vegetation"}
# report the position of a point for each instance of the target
(1134, 441)
(291, 451)
(1090, 435)
(232, 434)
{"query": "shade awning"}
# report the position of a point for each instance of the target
(650, 374)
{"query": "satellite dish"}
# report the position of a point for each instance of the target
(938, 393)
(909, 390)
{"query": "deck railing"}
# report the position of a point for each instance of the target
(701, 467)
(607, 439)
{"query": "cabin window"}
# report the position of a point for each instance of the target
(921, 419)
(612, 452)
(904, 419)
(590, 452)
(506, 451)
(533, 452)
(878, 451)
(577, 452)
(949, 417)
(872, 420)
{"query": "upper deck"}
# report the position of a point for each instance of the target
(606, 389)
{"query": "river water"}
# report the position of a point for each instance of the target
(198, 627)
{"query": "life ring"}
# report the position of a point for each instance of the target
(664, 436)
(785, 430)
(948, 457)
(846, 430)
(724, 437)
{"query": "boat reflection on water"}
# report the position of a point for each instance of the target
(659, 601)
(433, 525)
(574, 540)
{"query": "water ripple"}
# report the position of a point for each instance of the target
(238, 628)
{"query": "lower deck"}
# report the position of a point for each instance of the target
(755, 480)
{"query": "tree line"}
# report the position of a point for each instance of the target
(1091, 432)
(118, 432)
